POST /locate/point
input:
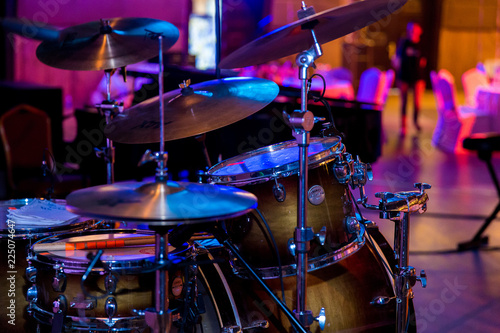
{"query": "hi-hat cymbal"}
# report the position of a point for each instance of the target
(161, 203)
(107, 44)
(296, 37)
(198, 109)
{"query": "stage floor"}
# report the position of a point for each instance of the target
(463, 293)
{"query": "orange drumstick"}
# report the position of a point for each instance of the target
(95, 244)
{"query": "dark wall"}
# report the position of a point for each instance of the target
(7, 9)
(389, 30)
(242, 22)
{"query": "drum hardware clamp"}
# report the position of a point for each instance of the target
(109, 109)
(397, 207)
(320, 236)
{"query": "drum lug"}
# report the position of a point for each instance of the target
(352, 225)
(291, 247)
(60, 304)
(110, 307)
(32, 294)
(59, 281)
(110, 283)
(321, 235)
(279, 191)
(31, 273)
(342, 168)
(321, 319)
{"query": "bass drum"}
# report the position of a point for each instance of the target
(345, 289)
(15, 239)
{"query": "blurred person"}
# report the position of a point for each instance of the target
(409, 63)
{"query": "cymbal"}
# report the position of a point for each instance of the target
(191, 111)
(161, 203)
(99, 45)
(296, 37)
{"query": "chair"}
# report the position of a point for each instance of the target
(371, 86)
(454, 122)
(341, 73)
(471, 80)
(389, 81)
(27, 142)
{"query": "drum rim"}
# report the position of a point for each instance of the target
(23, 232)
(99, 324)
(279, 171)
(313, 263)
(77, 266)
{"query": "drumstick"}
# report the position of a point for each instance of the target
(95, 244)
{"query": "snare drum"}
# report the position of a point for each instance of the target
(271, 173)
(15, 239)
(114, 295)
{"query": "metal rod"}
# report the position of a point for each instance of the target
(108, 85)
(295, 323)
(403, 288)
(161, 296)
(302, 225)
(161, 161)
(109, 153)
(218, 35)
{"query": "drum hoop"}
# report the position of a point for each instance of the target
(279, 171)
(30, 233)
(76, 266)
(312, 264)
(119, 324)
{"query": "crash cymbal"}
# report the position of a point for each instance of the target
(296, 37)
(198, 109)
(107, 44)
(161, 203)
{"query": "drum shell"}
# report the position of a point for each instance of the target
(250, 235)
(345, 289)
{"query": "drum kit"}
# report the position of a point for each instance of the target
(216, 254)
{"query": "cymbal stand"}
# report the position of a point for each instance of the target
(397, 207)
(109, 109)
(159, 320)
(302, 122)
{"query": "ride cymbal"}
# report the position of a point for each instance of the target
(161, 203)
(107, 44)
(296, 37)
(193, 110)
